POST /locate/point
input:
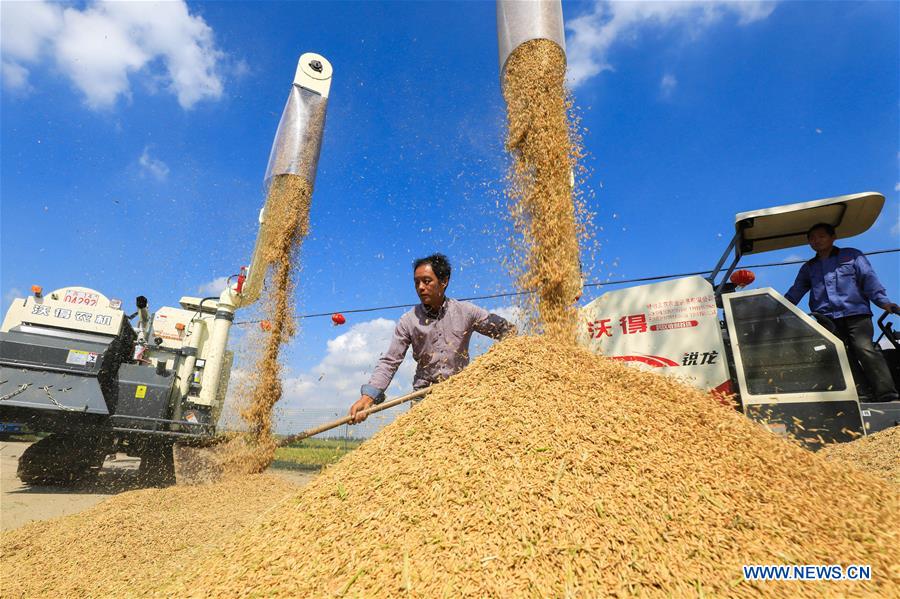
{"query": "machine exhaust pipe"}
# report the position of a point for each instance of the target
(521, 20)
(141, 303)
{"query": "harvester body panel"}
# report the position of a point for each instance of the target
(670, 327)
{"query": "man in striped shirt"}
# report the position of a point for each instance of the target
(438, 329)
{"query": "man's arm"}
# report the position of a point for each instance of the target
(373, 392)
(490, 325)
(871, 287)
(801, 285)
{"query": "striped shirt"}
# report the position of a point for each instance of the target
(440, 343)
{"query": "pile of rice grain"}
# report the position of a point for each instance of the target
(132, 540)
(539, 184)
(544, 470)
(877, 454)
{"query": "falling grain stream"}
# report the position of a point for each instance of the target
(539, 184)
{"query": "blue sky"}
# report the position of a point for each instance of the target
(135, 137)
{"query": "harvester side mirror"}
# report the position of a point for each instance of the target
(141, 302)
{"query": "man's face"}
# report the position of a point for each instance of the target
(820, 240)
(428, 287)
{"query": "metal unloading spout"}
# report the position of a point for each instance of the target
(295, 150)
(521, 20)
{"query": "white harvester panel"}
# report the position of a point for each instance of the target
(73, 308)
(670, 327)
(172, 325)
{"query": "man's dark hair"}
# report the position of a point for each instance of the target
(827, 227)
(439, 264)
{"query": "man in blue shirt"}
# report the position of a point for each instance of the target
(841, 283)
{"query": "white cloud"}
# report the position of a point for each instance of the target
(240, 69)
(213, 288)
(327, 390)
(15, 76)
(9, 295)
(27, 28)
(513, 314)
(594, 33)
(101, 46)
(895, 230)
(667, 85)
(153, 167)
(897, 186)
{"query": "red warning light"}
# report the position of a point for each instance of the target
(265, 325)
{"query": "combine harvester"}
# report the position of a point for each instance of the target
(786, 368)
(72, 364)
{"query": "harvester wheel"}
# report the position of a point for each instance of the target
(60, 460)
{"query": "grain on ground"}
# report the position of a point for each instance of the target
(878, 454)
(544, 470)
(137, 539)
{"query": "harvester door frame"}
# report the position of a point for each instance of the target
(817, 415)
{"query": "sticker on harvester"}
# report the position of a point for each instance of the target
(83, 298)
(140, 392)
(78, 357)
(672, 327)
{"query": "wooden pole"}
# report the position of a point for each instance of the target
(346, 419)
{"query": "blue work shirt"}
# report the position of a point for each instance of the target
(840, 285)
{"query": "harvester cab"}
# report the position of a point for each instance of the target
(785, 368)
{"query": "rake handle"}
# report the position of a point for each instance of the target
(346, 419)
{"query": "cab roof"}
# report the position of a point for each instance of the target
(786, 226)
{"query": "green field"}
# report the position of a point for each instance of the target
(313, 454)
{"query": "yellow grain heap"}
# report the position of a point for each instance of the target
(877, 454)
(540, 184)
(544, 470)
(135, 540)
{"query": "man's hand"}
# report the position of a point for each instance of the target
(894, 308)
(357, 410)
